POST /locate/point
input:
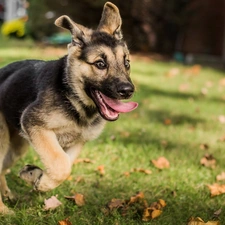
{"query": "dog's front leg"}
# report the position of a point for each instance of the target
(57, 163)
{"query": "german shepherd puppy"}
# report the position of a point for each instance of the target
(57, 106)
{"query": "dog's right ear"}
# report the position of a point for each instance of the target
(80, 34)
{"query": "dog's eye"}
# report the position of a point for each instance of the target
(100, 65)
(127, 63)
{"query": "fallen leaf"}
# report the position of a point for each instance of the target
(101, 170)
(217, 213)
(79, 179)
(136, 198)
(51, 203)
(204, 146)
(204, 91)
(126, 174)
(115, 204)
(222, 82)
(161, 163)
(154, 210)
(173, 72)
(221, 176)
(183, 87)
(141, 170)
(216, 189)
(167, 121)
(77, 198)
(208, 161)
(222, 138)
(64, 222)
(85, 160)
(199, 221)
(221, 119)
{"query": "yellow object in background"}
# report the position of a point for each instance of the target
(14, 28)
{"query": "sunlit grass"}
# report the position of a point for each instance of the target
(192, 103)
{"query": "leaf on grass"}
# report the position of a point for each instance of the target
(77, 198)
(85, 160)
(115, 204)
(64, 222)
(136, 198)
(208, 161)
(51, 203)
(221, 119)
(184, 87)
(141, 170)
(221, 176)
(199, 221)
(216, 189)
(167, 121)
(204, 146)
(101, 170)
(161, 163)
(217, 213)
(222, 82)
(154, 210)
(173, 72)
(136, 203)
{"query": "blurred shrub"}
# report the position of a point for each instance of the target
(14, 28)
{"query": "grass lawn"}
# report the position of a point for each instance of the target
(181, 116)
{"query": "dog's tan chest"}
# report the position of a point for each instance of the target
(72, 134)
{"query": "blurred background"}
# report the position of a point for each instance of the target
(190, 31)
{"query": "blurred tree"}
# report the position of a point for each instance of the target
(38, 26)
(148, 25)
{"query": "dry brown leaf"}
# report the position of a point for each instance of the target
(154, 210)
(222, 82)
(199, 221)
(217, 213)
(79, 179)
(221, 176)
(183, 87)
(64, 222)
(208, 161)
(101, 170)
(222, 138)
(51, 203)
(167, 121)
(85, 160)
(141, 170)
(161, 163)
(204, 146)
(126, 174)
(136, 198)
(115, 204)
(221, 119)
(216, 189)
(77, 198)
(173, 72)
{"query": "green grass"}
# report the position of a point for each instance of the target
(132, 142)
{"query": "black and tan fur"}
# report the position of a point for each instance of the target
(54, 105)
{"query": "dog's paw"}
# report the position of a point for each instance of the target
(32, 175)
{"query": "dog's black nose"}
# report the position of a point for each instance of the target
(125, 90)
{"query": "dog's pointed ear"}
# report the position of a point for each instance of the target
(111, 21)
(80, 34)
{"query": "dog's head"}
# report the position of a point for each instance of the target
(98, 64)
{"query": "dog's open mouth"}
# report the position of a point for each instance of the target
(111, 108)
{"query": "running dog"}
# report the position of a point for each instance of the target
(57, 106)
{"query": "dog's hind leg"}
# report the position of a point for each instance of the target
(4, 147)
(18, 147)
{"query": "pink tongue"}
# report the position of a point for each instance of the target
(119, 106)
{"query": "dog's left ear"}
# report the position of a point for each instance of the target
(111, 21)
(80, 34)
